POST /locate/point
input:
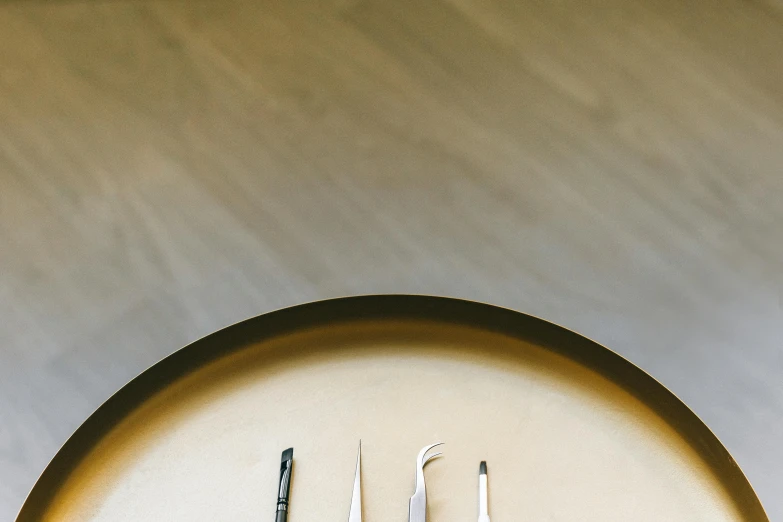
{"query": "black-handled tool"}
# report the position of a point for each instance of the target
(284, 488)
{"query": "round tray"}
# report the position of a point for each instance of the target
(570, 430)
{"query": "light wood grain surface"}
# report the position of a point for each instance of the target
(168, 168)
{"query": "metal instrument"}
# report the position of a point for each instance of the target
(417, 509)
(355, 515)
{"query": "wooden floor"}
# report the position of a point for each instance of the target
(169, 167)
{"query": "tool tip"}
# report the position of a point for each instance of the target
(483, 467)
(287, 455)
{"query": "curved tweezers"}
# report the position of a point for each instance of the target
(417, 509)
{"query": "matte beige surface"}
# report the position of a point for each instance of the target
(171, 167)
(562, 442)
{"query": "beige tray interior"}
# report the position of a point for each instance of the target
(562, 442)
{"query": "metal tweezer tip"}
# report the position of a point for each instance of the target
(355, 514)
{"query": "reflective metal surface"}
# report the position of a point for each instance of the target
(417, 506)
(573, 431)
(355, 515)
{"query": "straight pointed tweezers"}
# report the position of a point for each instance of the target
(355, 514)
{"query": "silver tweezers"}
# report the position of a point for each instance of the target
(417, 509)
(355, 515)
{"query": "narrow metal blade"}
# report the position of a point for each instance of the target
(356, 498)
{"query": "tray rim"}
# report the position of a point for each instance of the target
(529, 328)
